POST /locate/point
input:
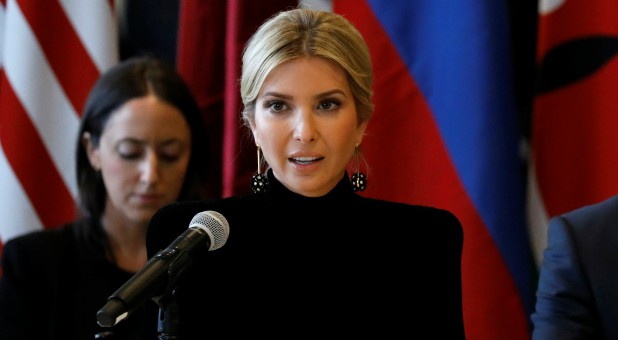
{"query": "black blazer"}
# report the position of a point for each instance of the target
(52, 286)
(577, 296)
(340, 264)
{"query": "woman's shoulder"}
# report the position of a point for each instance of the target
(43, 241)
(40, 249)
(413, 218)
(428, 212)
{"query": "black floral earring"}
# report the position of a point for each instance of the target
(359, 179)
(259, 181)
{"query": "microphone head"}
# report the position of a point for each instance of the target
(215, 225)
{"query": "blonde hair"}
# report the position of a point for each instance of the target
(305, 32)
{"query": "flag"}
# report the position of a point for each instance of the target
(52, 52)
(211, 36)
(573, 143)
(445, 133)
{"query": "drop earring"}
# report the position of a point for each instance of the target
(359, 179)
(259, 181)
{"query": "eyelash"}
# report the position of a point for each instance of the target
(138, 155)
(333, 105)
(129, 156)
(274, 103)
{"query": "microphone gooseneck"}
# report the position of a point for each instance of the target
(207, 229)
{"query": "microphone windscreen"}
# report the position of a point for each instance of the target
(215, 225)
(169, 222)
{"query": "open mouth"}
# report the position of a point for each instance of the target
(305, 160)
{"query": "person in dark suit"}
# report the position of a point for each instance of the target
(577, 295)
(141, 145)
(306, 254)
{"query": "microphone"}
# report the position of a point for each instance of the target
(207, 229)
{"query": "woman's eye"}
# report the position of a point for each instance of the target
(276, 106)
(169, 157)
(129, 151)
(328, 105)
(130, 156)
(171, 152)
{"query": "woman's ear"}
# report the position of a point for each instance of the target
(91, 151)
(361, 132)
(256, 139)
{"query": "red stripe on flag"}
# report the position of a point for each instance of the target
(63, 49)
(33, 167)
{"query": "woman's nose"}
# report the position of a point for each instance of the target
(305, 126)
(150, 168)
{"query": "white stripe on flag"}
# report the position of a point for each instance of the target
(39, 91)
(95, 24)
(2, 23)
(16, 212)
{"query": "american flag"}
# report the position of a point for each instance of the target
(51, 53)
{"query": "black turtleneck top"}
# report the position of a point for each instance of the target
(53, 284)
(340, 264)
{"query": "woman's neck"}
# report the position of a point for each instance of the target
(127, 241)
